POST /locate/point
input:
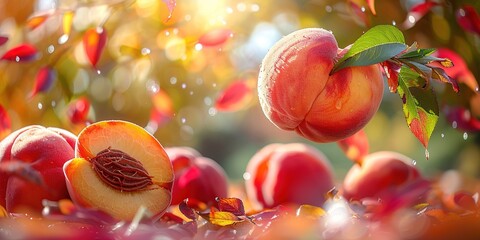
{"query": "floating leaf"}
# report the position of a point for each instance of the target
(419, 105)
(94, 42)
(22, 52)
(222, 219)
(236, 96)
(358, 13)
(459, 71)
(3, 40)
(378, 44)
(186, 210)
(43, 80)
(355, 147)
(232, 205)
(215, 37)
(77, 111)
(171, 4)
(67, 21)
(5, 124)
(416, 12)
(463, 118)
(371, 6)
(37, 20)
(469, 19)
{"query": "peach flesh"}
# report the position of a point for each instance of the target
(288, 174)
(88, 189)
(196, 176)
(45, 150)
(297, 93)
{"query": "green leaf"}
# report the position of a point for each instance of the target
(419, 105)
(378, 44)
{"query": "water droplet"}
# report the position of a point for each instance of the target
(363, 9)
(183, 120)
(191, 93)
(50, 49)
(394, 23)
(198, 46)
(208, 101)
(53, 103)
(212, 111)
(153, 86)
(338, 105)
(17, 59)
(465, 136)
(184, 85)
(99, 72)
(414, 162)
(328, 8)
(63, 39)
(454, 124)
(214, 85)
(173, 80)
(427, 154)
(476, 89)
(443, 135)
(145, 51)
(229, 10)
(411, 19)
(246, 176)
(40, 106)
(254, 8)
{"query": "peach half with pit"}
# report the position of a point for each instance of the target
(284, 174)
(118, 168)
(31, 160)
(297, 92)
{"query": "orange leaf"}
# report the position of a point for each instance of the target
(94, 42)
(222, 219)
(171, 6)
(38, 20)
(371, 6)
(310, 211)
(215, 37)
(232, 205)
(236, 96)
(162, 110)
(22, 52)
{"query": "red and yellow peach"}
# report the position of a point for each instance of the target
(288, 174)
(32, 159)
(297, 92)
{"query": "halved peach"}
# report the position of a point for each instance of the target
(119, 167)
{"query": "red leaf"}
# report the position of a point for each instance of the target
(5, 124)
(171, 4)
(469, 19)
(236, 96)
(94, 42)
(44, 80)
(232, 205)
(358, 13)
(186, 210)
(77, 111)
(23, 52)
(418, 129)
(215, 37)
(391, 70)
(459, 71)
(3, 40)
(417, 12)
(38, 20)
(355, 146)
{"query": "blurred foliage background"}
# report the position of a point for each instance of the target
(194, 55)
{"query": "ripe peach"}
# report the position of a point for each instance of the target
(297, 92)
(196, 176)
(32, 159)
(292, 173)
(380, 175)
(119, 167)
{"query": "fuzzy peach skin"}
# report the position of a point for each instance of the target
(45, 150)
(297, 93)
(292, 173)
(196, 176)
(380, 174)
(87, 189)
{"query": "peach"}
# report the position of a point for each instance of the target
(119, 167)
(32, 159)
(292, 173)
(380, 175)
(297, 92)
(196, 176)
